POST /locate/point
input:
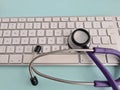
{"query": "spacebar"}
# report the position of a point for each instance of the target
(59, 59)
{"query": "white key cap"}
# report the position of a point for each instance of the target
(1, 40)
(53, 25)
(19, 49)
(22, 19)
(51, 40)
(20, 25)
(45, 25)
(15, 32)
(64, 19)
(37, 25)
(56, 19)
(109, 18)
(109, 24)
(42, 40)
(59, 40)
(5, 19)
(28, 25)
(112, 59)
(7, 40)
(6, 33)
(91, 18)
(33, 40)
(4, 58)
(101, 57)
(70, 25)
(2, 49)
(57, 59)
(118, 18)
(114, 39)
(32, 33)
(85, 59)
(66, 32)
(55, 47)
(4, 25)
(16, 41)
(10, 49)
(15, 58)
(99, 18)
(39, 19)
(58, 32)
(118, 24)
(96, 40)
(79, 24)
(27, 58)
(87, 24)
(28, 49)
(96, 25)
(93, 32)
(30, 19)
(82, 18)
(13, 19)
(46, 48)
(73, 18)
(49, 32)
(24, 40)
(112, 31)
(105, 40)
(47, 19)
(62, 24)
(102, 31)
(23, 32)
(0, 32)
(40, 33)
(12, 26)
(64, 47)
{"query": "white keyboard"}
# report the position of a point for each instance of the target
(19, 36)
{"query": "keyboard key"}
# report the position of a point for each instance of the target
(28, 49)
(6, 33)
(62, 24)
(37, 25)
(96, 40)
(47, 19)
(73, 19)
(4, 58)
(102, 31)
(27, 58)
(91, 18)
(112, 59)
(0, 32)
(15, 58)
(55, 47)
(24, 40)
(20, 25)
(39, 19)
(93, 32)
(10, 49)
(70, 25)
(53, 25)
(28, 25)
(1, 40)
(105, 40)
(82, 18)
(40, 33)
(30, 19)
(15, 32)
(2, 49)
(64, 19)
(7, 40)
(87, 24)
(5, 19)
(42, 40)
(99, 18)
(22, 19)
(32, 33)
(59, 40)
(46, 48)
(12, 26)
(13, 19)
(19, 49)
(102, 58)
(66, 32)
(96, 25)
(49, 32)
(23, 32)
(109, 18)
(109, 24)
(56, 19)
(16, 41)
(85, 59)
(58, 59)
(33, 40)
(4, 25)
(58, 32)
(45, 25)
(51, 40)
(79, 24)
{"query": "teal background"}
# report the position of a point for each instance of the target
(17, 77)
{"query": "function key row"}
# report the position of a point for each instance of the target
(40, 19)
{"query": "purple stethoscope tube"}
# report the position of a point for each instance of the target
(111, 82)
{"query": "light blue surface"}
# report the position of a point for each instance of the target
(17, 78)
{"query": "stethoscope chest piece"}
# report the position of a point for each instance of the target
(79, 39)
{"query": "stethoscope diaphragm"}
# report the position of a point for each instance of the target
(79, 39)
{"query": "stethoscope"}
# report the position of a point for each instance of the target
(78, 42)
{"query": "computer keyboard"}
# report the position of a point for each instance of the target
(19, 36)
